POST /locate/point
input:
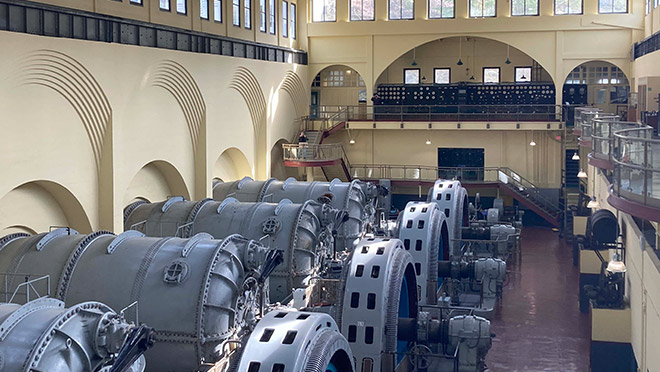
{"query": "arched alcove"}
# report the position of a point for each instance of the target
(37, 206)
(231, 165)
(156, 181)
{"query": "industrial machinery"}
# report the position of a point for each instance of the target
(199, 294)
(452, 199)
(302, 231)
(43, 335)
(483, 239)
(474, 283)
(358, 199)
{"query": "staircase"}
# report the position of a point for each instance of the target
(331, 158)
(527, 194)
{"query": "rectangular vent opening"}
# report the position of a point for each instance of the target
(268, 333)
(290, 337)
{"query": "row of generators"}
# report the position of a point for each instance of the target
(268, 276)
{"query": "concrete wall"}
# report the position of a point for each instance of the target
(92, 126)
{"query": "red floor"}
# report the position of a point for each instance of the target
(538, 325)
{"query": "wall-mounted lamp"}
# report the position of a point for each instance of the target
(616, 265)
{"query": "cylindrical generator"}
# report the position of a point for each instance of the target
(43, 335)
(452, 199)
(194, 292)
(301, 231)
(357, 198)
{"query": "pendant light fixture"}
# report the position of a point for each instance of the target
(593, 204)
(414, 62)
(460, 47)
(532, 142)
(582, 174)
(575, 156)
(428, 141)
(352, 141)
(508, 61)
(616, 265)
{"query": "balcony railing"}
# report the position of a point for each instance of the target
(585, 121)
(466, 175)
(323, 153)
(636, 157)
(602, 137)
(429, 113)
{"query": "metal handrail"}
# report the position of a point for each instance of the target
(429, 113)
(602, 136)
(464, 174)
(313, 152)
(636, 165)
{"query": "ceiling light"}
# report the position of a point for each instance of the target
(428, 141)
(508, 61)
(616, 265)
(460, 47)
(582, 174)
(532, 143)
(575, 156)
(352, 141)
(593, 204)
(460, 63)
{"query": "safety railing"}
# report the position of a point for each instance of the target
(586, 124)
(636, 157)
(314, 153)
(466, 175)
(28, 287)
(451, 113)
(602, 137)
(323, 118)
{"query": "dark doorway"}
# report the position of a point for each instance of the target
(461, 164)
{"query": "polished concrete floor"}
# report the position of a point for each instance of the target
(538, 325)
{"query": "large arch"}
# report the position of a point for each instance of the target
(337, 85)
(607, 85)
(474, 52)
(544, 56)
(231, 165)
(38, 205)
(155, 181)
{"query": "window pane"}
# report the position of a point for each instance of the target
(407, 9)
(517, 7)
(441, 8)
(362, 10)
(411, 76)
(532, 7)
(165, 4)
(489, 8)
(247, 5)
(491, 75)
(441, 76)
(271, 27)
(204, 9)
(323, 11)
(217, 10)
(285, 19)
(181, 6)
(262, 15)
(575, 6)
(236, 10)
(395, 9)
(621, 6)
(523, 74)
(136, 1)
(293, 21)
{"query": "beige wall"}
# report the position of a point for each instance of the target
(90, 126)
(642, 283)
(540, 164)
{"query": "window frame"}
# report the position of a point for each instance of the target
(428, 10)
(350, 11)
(482, 10)
(613, 12)
(285, 18)
(538, 9)
(169, 6)
(247, 14)
(185, 7)
(292, 20)
(272, 17)
(515, 74)
(389, 11)
(235, 18)
(554, 9)
(214, 13)
(419, 74)
(499, 74)
(263, 17)
(441, 68)
(323, 13)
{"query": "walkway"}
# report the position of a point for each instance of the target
(538, 326)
